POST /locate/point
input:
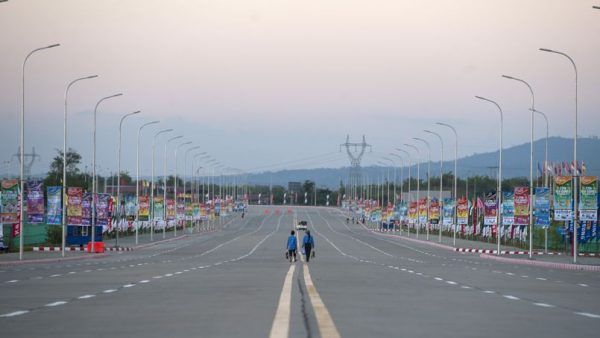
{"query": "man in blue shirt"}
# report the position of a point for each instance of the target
(308, 243)
(292, 245)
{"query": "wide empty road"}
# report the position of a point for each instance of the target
(235, 282)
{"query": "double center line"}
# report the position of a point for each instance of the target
(281, 322)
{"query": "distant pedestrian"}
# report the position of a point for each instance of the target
(292, 246)
(308, 243)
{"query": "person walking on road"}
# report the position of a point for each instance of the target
(308, 243)
(292, 245)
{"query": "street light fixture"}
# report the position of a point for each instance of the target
(455, 177)
(137, 178)
(428, 180)
(165, 185)
(152, 182)
(120, 203)
(530, 164)
(401, 175)
(64, 185)
(499, 189)
(175, 184)
(575, 180)
(394, 165)
(409, 192)
(440, 202)
(418, 160)
(22, 153)
(94, 183)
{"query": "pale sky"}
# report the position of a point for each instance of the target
(257, 83)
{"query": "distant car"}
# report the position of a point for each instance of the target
(302, 225)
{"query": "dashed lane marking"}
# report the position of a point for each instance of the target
(14, 314)
(86, 296)
(56, 303)
(543, 305)
(587, 314)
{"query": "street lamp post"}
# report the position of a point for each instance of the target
(119, 202)
(418, 182)
(137, 178)
(499, 189)
(401, 173)
(22, 152)
(440, 203)
(530, 164)
(427, 224)
(395, 183)
(94, 183)
(409, 193)
(64, 181)
(152, 183)
(545, 168)
(575, 176)
(165, 185)
(175, 184)
(455, 177)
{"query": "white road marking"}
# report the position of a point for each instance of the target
(524, 276)
(86, 296)
(157, 277)
(511, 297)
(465, 287)
(144, 281)
(451, 282)
(109, 291)
(583, 285)
(540, 278)
(13, 314)
(169, 275)
(128, 285)
(543, 305)
(587, 314)
(326, 326)
(281, 322)
(56, 303)
(13, 281)
(57, 275)
(488, 291)
(438, 278)
(72, 272)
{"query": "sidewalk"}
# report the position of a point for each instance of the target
(552, 260)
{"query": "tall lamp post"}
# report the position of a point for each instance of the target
(440, 202)
(120, 203)
(428, 180)
(175, 184)
(409, 179)
(137, 178)
(418, 181)
(530, 164)
(64, 181)
(545, 173)
(22, 152)
(165, 184)
(94, 183)
(152, 182)
(499, 189)
(455, 177)
(395, 183)
(401, 174)
(575, 176)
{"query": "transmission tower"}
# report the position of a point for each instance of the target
(355, 153)
(28, 158)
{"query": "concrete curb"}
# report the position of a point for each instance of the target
(505, 252)
(560, 266)
(51, 260)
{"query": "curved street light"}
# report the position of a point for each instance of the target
(499, 189)
(152, 182)
(575, 197)
(175, 184)
(137, 178)
(22, 152)
(428, 180)
(64, 185)
(418, 181)
(440, 202)
(455, 177)
(530, 164)
(165, 184)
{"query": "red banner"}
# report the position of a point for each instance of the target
(521, 206)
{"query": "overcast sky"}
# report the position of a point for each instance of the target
(265, 85)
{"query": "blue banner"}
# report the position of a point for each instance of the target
(542, 207)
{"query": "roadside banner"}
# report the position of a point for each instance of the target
(542, 207)
(490, 209)
(144, 208)
(563, 192)
(159, 208)
(412, 212)
(434, 211)
(130, 207)
(35, 202)
(10, 201)
(170, 209)
(402, 210)
(180, 213)
(588, 198)
(508, 209)
(462, 211)
(74, 209)
(103, 209)
(448, 218)
(86, 209)
(54, 215)
(423, 210)
(522, 205)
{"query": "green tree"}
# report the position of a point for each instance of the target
(75, 178)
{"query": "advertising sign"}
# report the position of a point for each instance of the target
(423, 210)
(521, 205)
(144, 208)
(542, 207)
(54, 205)
(159, 208)
(448, 218)
(563, 196)
(74, 208)
(35, 202)
(434, 211)
(462, 211)
(10, 201)
(588, 205)
(508, 209)
(170, 209)
(490, 207)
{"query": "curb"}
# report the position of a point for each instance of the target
(505, 252)
(561, 266)
(51, 260)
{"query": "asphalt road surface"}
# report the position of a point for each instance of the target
(235, 282)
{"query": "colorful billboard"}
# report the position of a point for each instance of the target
(54, 215)
(74, 205)
(563, 196)
(462, 211)
(542, 207)
(588, 198)
(10, 201)
(522, 205)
